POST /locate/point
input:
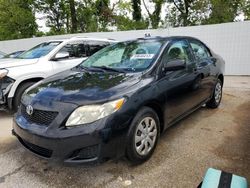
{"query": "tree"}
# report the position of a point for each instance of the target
(155, 16)
(246, 9)
(87, 16)
(136, 5)
(104, 14)
(56, 12)
(17, 19)
(122, 17)
(224, 11)
(188, 12)
(73, 16)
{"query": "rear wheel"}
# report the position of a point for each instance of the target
(143, 136)
(18, 95)
(217, 96)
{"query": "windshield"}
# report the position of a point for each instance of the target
(125, 56)
(39, 50)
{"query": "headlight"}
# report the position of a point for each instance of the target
(3, 73)
(91, 113)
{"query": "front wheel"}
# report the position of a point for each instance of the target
(214, 102)
(143, 136)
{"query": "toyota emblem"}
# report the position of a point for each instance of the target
(29, 110)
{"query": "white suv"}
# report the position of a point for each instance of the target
(46, 59)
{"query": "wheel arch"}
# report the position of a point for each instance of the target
(159, 111)
(15, 87)
(221, 78)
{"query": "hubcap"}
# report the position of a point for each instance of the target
(218, 92)
(145, 136)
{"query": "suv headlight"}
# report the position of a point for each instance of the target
(3, 73)
(91, 113)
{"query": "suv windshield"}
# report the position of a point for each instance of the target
(39, 50)
(125, 56)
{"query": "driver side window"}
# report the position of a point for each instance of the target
(178, 50)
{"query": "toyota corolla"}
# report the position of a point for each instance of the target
(119, 101)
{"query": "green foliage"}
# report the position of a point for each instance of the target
(87, 17)
(57, 13)
(104, 14)
(224, 11)
(246, 9)
(121, 18)
(187, 12)
(16, 19)
(154, 16)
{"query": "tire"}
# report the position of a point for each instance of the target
(133, 148)
(18, 95)
(214, 102)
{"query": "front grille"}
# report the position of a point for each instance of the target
(36, 149)
(39, 116)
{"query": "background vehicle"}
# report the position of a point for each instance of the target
(119, 100)
(14, 54)
(46, 59)
(2, 54)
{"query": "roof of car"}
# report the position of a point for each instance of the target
(83, 38)
(166, 38)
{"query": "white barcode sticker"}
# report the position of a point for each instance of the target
(142, 56)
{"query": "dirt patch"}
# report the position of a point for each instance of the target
(228, 94)
(7, 144)
(235, 147)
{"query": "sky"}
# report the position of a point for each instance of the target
(41, 22)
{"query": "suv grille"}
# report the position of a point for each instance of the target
(39, 116)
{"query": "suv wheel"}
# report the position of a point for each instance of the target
(18, 95)
(217, 96)
(143, 136)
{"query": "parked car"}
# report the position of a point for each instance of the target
(46, 59)
(2, 54)
(119, 100)
(14, 54)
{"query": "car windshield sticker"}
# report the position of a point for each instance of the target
(142, 56)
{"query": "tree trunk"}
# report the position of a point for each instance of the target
(136, 5)
(73, 16)
(186, 14)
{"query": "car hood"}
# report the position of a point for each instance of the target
(82, 88)
(12, 62)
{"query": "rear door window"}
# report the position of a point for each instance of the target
(200, 50)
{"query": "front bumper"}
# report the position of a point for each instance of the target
(5, 87)
(86, 148)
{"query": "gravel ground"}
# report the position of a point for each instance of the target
(217, 138)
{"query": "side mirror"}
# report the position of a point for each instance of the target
(174, 65)
(61, 55)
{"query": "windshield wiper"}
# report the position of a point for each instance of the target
(81, 68)
(88, 69)
(108, 69)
